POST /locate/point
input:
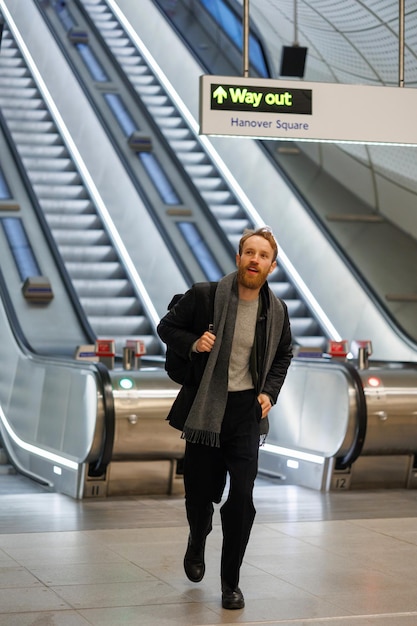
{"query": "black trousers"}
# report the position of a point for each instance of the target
(205, 474)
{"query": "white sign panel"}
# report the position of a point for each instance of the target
(292, 110)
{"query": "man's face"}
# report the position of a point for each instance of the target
(255, 263)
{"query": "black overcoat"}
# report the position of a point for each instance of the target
(190, 318)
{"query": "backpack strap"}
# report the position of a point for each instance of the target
(213, 287)
(212, 292)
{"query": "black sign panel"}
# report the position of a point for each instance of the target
(261, 99)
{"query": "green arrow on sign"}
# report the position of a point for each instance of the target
(220, 94)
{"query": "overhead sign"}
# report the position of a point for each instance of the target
(296, 110)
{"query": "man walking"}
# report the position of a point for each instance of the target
(236, 336)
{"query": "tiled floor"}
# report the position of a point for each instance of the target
(339, 559)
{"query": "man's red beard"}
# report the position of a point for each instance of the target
(249, 280)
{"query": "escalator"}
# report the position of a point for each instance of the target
(358, 233)
(66, 424)
(221, 189)
(248, 181)
(213, 209)
(109, 300)
(70, 209)
(338, 424)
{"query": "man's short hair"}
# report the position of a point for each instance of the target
(264, 232)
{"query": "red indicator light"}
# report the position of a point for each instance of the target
(373, 381)
(338, 348)
(105, 347)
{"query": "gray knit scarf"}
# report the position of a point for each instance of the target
(205, 418)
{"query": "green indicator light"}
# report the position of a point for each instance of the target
(126, 383)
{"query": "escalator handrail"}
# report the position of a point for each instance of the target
(98, 468)
(345, 461)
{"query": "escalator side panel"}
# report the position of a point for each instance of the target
(315, 411)
(51, 413)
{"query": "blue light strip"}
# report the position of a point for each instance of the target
(121, 114)
(232, 26)
(96, 70)
(20, 247)
(63, 14)
(200, 250)
(94, 67)
(4, 190)
(159, 179)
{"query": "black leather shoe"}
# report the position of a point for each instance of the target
(194, 565)
(232, 598)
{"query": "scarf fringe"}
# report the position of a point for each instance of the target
(204, 437)
(209, 438)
